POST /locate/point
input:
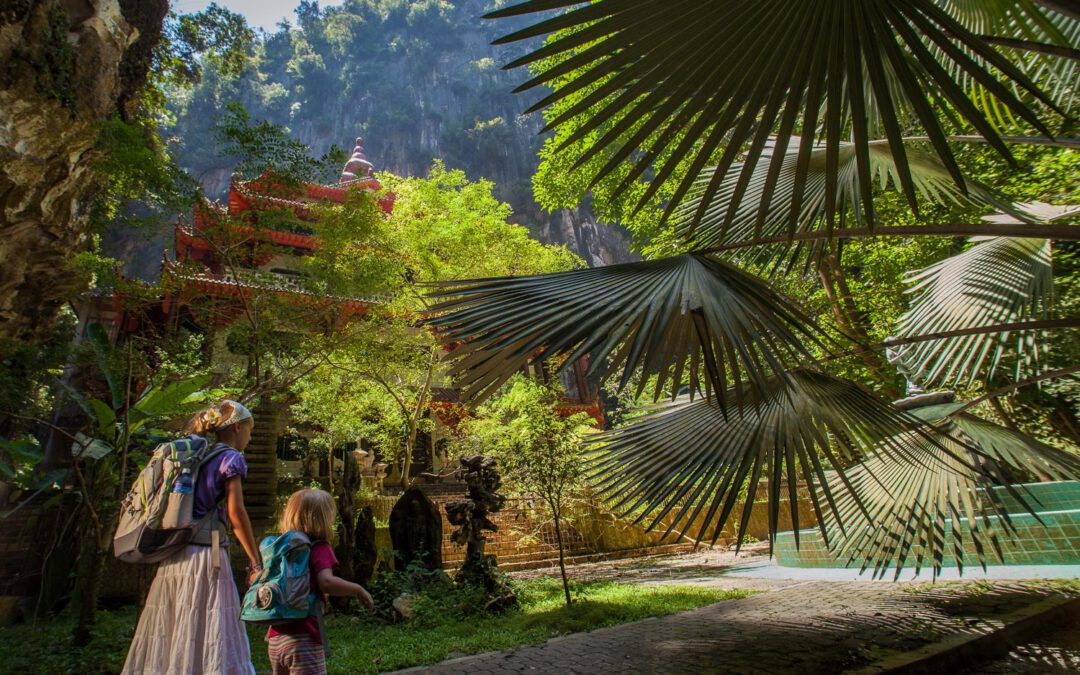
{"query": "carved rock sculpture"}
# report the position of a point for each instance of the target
(470, 516)
(365, 553)
(416, 531)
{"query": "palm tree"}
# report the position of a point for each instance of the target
(769, 127)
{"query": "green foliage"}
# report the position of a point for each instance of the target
(18, 459)
(28, 372)
(448, 227)
(115, 425)
(388, 70)
(362, 645)
(135, 169)
(215, 36)
(377, 381)
(46, 646)
(435, 595)
(259, 146)
(59, 58)
(538, 451)
(767, 119)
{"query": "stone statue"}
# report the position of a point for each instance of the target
(900, 358)
(470, 516)
(915, 396)
(358, 165)
(365, 554)
(416, 531)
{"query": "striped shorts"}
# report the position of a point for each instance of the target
(296, 655)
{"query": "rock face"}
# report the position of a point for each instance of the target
(66, 66)
(419, 81)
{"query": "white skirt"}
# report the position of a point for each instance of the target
(191, 622)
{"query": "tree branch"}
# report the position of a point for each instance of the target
(1066, 7)
(1009, 388)
(1028, 45)
(1020, 140)
(1045, 324)
(1023, 231)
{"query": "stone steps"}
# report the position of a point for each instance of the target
(534, 561)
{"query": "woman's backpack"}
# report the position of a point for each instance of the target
(282, 592)
(156, 516)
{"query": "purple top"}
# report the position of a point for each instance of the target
(210, 488)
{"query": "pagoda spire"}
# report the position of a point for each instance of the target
(358, 165)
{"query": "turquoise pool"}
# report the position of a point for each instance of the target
(1054, 541)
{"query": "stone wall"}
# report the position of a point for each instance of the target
(757, 527)
(526, 537)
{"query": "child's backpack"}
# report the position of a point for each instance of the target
(282, 592)
(156, 517)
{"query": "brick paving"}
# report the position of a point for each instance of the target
(1052, 653)
(704, 567)
(807, 627)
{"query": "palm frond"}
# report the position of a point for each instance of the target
(1029, 32)
(687, 465)
(765, 209)
(893, 512)
(1012, 448)
(999, 280)
(679, 84)
(687, 319)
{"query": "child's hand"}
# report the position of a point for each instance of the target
(365, 599)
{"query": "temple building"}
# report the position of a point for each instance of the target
(206, 292)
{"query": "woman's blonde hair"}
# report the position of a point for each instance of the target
(311, 512)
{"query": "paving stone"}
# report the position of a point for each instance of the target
(809, 627)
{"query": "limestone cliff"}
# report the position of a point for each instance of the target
(65, 65)
(418, 80)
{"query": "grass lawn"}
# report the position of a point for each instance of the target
(363, 645)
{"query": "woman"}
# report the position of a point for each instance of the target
(191, 622)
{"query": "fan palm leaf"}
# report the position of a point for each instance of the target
(893, 510)
(1030, 32)
(688, 315)
(724, 221)
(1012, 448)
(689, 463)
(999, 280)
(695, 83)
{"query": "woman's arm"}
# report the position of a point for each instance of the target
(335, 585)
(234, 497)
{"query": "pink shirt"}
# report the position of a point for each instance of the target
(322, 558)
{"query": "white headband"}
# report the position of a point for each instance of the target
(239, 413)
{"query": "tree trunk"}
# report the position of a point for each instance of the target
(842, 305)
(556, 513)
(406, 463)
(91, 566)
(97, 546)
(1006, 419)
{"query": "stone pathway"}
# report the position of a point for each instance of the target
(706, 567)
(1055, 652)
(808, 627)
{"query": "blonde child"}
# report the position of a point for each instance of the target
(296, 648)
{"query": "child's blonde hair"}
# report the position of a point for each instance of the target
(311, 512)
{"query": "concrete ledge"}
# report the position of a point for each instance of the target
(964, 651)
